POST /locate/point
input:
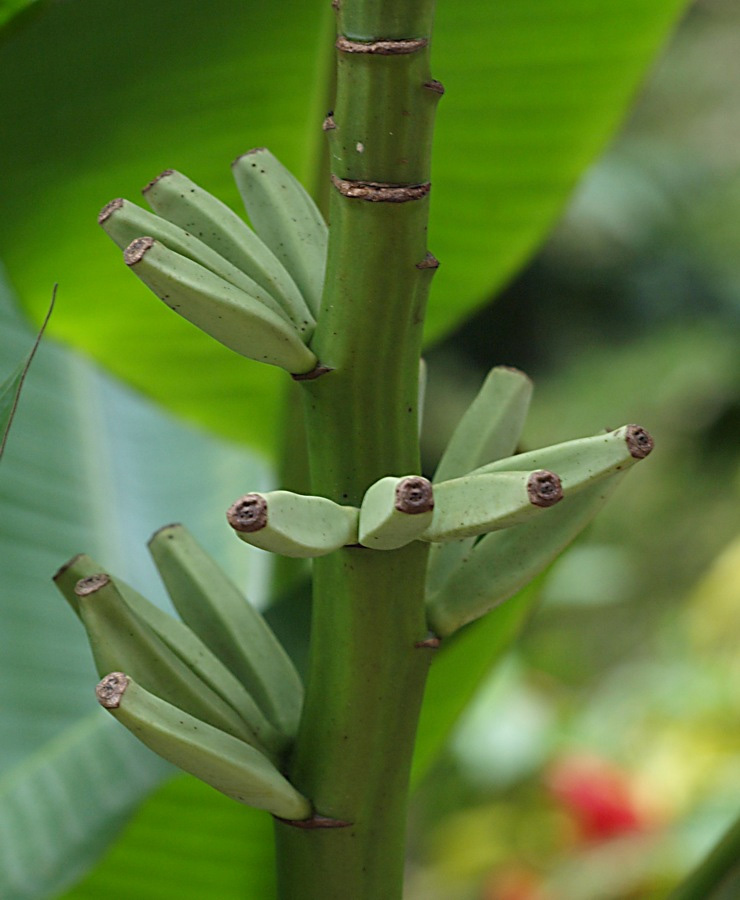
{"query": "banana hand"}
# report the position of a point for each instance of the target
(188, 648)
(123, 222)
(118, 639)
(180, 200)
(503, 562)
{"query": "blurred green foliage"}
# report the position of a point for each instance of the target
(627, 677)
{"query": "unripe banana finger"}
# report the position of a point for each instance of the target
(490, 427)
(475, 504)
(186, 645)
(210, 754)
(180, 200)
(503, 562)
(217, 611)
(585, 460)
(123, 222)
(294, 525)
(286, 219)
(119, 639)
(223, 311)
(395, 511)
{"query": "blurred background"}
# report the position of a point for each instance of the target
(603, 757)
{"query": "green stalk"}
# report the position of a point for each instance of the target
(366, 676)
(721, 864)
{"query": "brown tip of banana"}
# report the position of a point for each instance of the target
(248, 514)
(111, 689)
(544, 488)
(414, 495)
(91, 584)
(137, 249)
(158, 178)
(639, 442)
(107, 211)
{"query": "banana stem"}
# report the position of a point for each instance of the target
(366, 674)
(718, 868)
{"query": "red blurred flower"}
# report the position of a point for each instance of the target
(600, 798)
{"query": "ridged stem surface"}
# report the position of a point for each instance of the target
(366, 677)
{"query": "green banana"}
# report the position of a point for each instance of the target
(123, 222)
(584, 460)
(119, 639)
(503, 562)
(294, 525)
(223, 311)
(180, 200)
(212, 755)
(490, 427)
(216, 610)
(286, 219)
(395, 511)
(478, 503)
(187, 647)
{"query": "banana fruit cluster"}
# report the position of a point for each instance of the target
(256, 292)
(213, 691)
(494, 518)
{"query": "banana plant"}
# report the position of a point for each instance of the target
(341, 310)
(400, 562)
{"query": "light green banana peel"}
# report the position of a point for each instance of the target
(219, 614)
(218, 758)
(294, 525)
(286, 218)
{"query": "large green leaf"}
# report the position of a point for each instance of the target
(10, 389)
(187, 842)
(10, 9)
(103, 96)
(88, 466)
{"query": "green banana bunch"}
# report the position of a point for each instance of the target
(216, 306)
(117, 636)
(178, 199)
(216, 610)
(495, 567)
(293, 524)
(211, 754)
(207, 264)
(187, 647)
(395, 511)
(286, 219)
(123, 222)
